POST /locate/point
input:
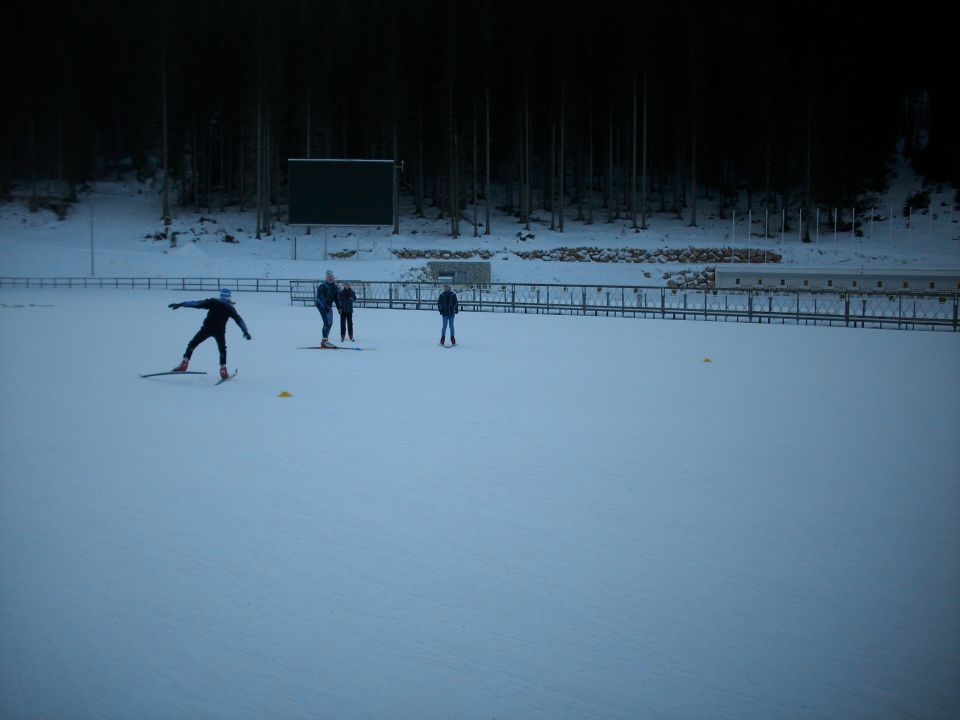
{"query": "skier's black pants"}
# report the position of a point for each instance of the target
(202, 335)
(346, 321)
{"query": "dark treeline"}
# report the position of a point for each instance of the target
(596, 111)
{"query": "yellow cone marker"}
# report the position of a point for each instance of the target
(707, 360)
(284, 394)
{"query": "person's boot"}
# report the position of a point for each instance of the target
(453, 340)
(325, 343)
(443, 339)
(224, 373)
(182, 367)
(342, 338)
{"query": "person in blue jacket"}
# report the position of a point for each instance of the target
(447, 305)
(328, 296)
(345, 305)
(219, 310)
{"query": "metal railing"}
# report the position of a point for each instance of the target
(192, 284)
(902, 309)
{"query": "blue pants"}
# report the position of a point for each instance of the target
(327, 315)
(448, 320)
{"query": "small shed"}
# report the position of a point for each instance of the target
(460, 272)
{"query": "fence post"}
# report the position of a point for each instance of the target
(956, 306)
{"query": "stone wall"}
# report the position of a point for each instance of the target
(705, 256)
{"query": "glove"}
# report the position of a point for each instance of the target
(247, 336)
(173, 306)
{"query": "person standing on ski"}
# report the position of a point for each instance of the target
(328, 295)
(447, 305)
(219, 310)
(346, 298)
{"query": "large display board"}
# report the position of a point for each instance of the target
(341, 192)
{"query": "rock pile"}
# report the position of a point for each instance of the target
(689, 255)
(407, 254)
(659, 255)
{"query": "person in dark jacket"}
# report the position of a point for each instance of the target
(447, 305)
(328, 296)
(219, 310)
(346, 299)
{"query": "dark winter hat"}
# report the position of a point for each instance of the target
(226, 295)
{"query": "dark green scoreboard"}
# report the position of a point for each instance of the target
(341, 192)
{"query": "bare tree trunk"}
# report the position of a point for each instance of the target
(768, 161)
(243, 166)
(808, 185)
(395, 92)
(693, 139)
(452, 168)
(259, 166)
(522, 183)
(693, 175)
(527, 204)
(223, 132)
(194, 159)
(590, 164)
(207, 181)
(562, 198)
(550, 174)
(486, 184)
(396, 168)
(643, 194)
(475, 170)
(633, 160)
(420, 181)
(609, 199)
(166, 130)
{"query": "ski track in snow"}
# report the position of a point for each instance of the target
(564, 518)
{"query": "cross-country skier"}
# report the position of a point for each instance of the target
(219, 310)
(346, 298)
(327, 296)
(447, 305)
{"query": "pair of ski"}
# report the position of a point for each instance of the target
(190, 372)
(333, 347)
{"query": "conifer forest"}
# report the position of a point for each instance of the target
(625, 107)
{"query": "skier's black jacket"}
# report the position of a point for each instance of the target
(346, 297)
(447, 303)
(218, 312)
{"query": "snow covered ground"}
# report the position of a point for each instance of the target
(123, 218)
(562, 517)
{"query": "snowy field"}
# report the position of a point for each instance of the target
(562, 517)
